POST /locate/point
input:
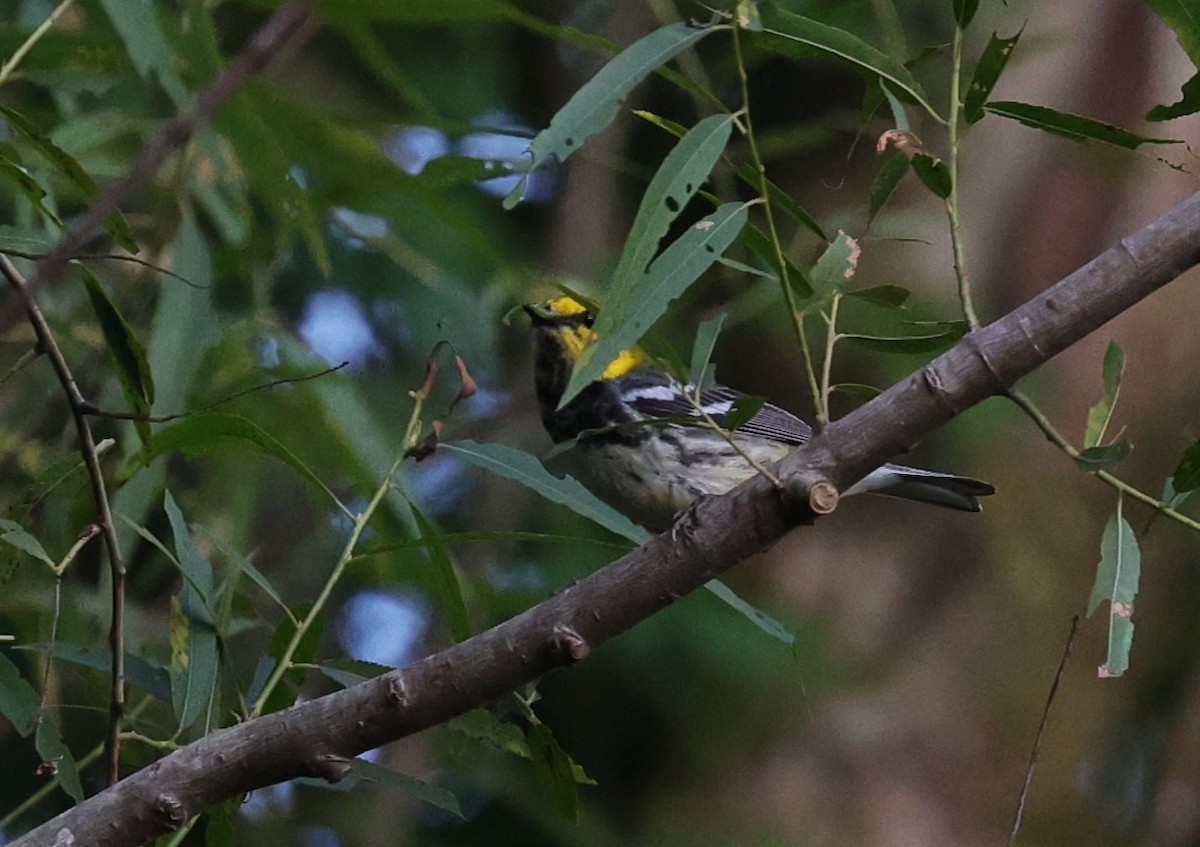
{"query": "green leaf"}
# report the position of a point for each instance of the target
(350, 672)
(702, 349)
(893, 169)
(554, 770)
(797, 29)
(147, 46)
(1188, 103)
(964, 11)
(51, 748)
(755, 615)
(125, 348)
(933, 173)
(622, 323)
(423, 791)
(1069, 126)
(599, 100)
(1100, 415)
(521, 467)
(18, 537)
(1187, 473)
(244, 565)
(1183, 17)
(836, 267)
(1117, 577)
(194, 656)
(744, 408)
(757, 242)
(1095, 459)
(25, 182)
(927, 343)
(987, 74)
(206, 433)
(888, 296)
(449, 597)
(19, 702)
(149, 676)
(66, 164)
(677, 180)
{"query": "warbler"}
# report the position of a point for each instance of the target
(639, 450)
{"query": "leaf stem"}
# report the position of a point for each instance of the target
(956, 239)
(21, 52)
(794, 310)
(1043, 423)
(831, 338)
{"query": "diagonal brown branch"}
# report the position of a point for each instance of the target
(318, 737)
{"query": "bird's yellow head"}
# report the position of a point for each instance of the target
(564, 330)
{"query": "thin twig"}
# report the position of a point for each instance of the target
(1037, 739)
(956, 240)
(91, 460)
(772, 230)
(34, 256)
(34, 37)
(25, 358)
(1048, 429)
(831, 338)
(89, 409)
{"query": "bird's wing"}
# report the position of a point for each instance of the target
(655, 398)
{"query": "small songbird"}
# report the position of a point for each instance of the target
(636, 445)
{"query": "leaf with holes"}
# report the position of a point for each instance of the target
(1117, 578)
(987, 74)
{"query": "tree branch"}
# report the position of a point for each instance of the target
(317, 737)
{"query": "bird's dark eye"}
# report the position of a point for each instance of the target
(588, 319)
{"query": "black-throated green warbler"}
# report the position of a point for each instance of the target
(638, 450)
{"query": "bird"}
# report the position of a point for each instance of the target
(646, 443)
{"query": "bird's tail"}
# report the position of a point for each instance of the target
(940, 489)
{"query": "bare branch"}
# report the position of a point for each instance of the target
(709, 539)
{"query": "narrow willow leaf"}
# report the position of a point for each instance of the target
(194, 657)
(1183, 17)
(25, 183)
(244, 565)
(126, 350)
(55, 753)
(620, 325)
(449, 597)
(19, 537)
(202, 434)
(702, 348)
(19, 702)
(800, 30)
(964, 11)
(752, 613)
(893, 169)
(835, 268)
(1104, 458)
(1117, 578)
(987, 74)
(423, 791)
(933, 173)
(67, 165)
(744, 408)
(909, 343)
(1069, 126)
(758, 243)
(1188, 103)
(677, 180)
(890, 296)
(521, 467)
(553, 770)
(599, 100)
(1100, 415)
(350, 672)
(1187, 473)
(149, 676)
